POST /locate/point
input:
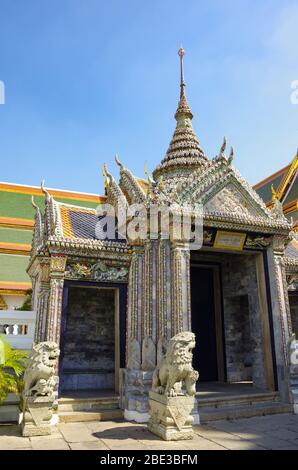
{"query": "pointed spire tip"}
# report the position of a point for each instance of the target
(181, 52)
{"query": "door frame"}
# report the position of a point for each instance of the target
(218, 315)
(120, 300)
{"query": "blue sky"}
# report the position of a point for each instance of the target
(85, 79)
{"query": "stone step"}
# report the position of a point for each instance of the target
(247, 399)
(243, 411)
(88, 404)
(79, 416)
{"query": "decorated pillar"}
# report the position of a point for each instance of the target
(149, 307)
(135, 380)
(280, 311)
(134, 309)
(57, 273)
(180, 274)
(163, 292)
(41, 294)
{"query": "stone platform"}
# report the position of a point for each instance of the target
(91, 405)
(170, 417)
(279, 432)
(218, 401)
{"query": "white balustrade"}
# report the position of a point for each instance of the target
(18, 328)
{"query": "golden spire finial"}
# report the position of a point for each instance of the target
(181, 53)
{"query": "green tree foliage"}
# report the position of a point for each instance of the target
(12, 366)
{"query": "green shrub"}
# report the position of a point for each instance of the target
(12, 367)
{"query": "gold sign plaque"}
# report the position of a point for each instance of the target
(229, 240)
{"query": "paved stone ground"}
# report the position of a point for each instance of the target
(261, 433)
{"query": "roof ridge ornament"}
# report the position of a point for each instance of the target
(223, 147)
(149, 178)
(274, 193)
(45, 192)
(231, 155)
(34, 205)
(104, 170)
(118, 161)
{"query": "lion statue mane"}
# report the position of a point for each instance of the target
(39, 377)
(175, 372)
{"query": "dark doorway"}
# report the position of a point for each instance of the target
(204, 326)
(293, 300)
(88, 349)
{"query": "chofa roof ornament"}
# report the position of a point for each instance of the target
(44, 190)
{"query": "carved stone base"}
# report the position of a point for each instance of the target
(170, 417)
(135, 386)
(37, 416)
(138, 417)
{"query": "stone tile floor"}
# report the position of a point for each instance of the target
(279, 432)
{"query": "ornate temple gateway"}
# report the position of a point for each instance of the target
(113, 304)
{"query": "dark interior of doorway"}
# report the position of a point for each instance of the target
(205, 355)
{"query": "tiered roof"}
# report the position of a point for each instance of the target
(16, 229)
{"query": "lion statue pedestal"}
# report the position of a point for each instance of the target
(172, 397)
(40, 390)
(37, 416)
(170, 417)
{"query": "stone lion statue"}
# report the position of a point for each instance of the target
(175, 372)
(39, 377)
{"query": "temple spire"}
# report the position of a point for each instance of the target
(181, 53)
(183, 106)
(184, 153)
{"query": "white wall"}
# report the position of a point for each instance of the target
(9, 411)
